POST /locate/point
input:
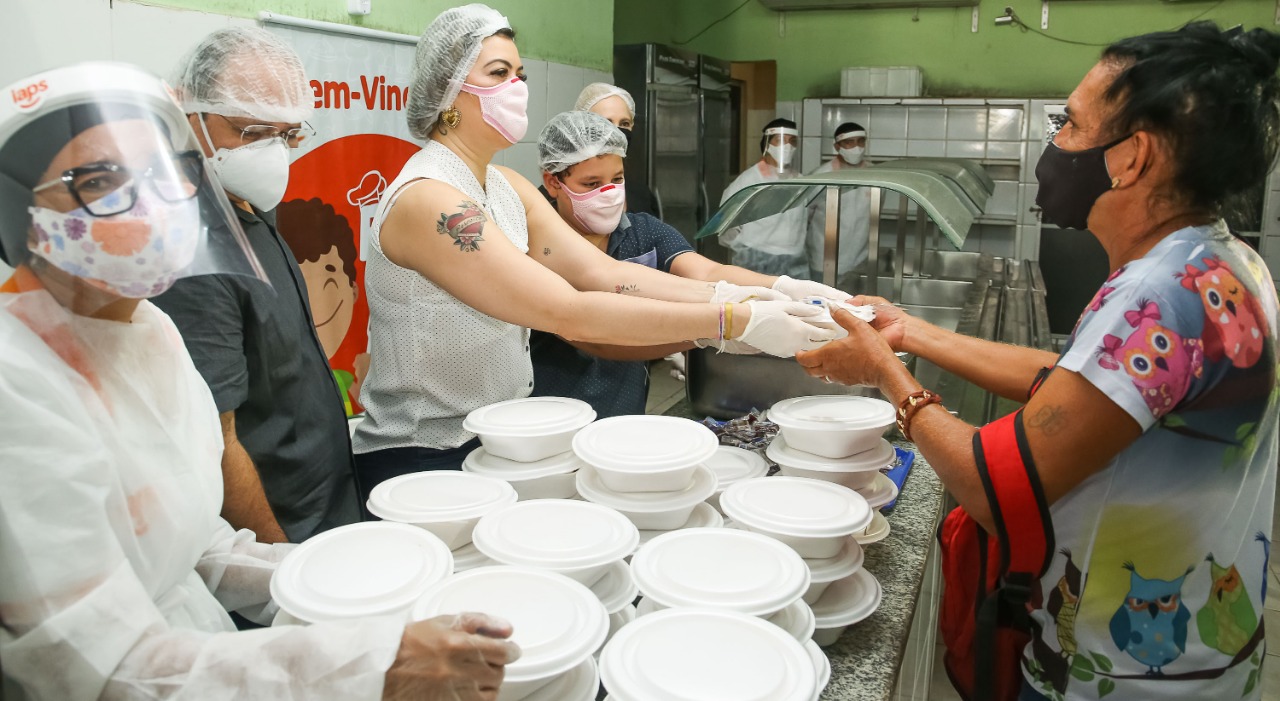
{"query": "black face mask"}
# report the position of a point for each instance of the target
(1071, 182)
(627, 133)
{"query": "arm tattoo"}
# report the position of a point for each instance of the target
(1048, 419)
(620, 289)
(464, 226)
(546, 251)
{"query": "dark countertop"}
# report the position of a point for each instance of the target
(866, 661)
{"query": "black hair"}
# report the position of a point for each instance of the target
(506, 32)
(846, 128)
(764, 138)
(1213, 96)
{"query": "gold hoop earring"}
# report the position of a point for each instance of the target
(451, 118)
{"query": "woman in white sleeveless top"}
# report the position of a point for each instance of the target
(467, 256)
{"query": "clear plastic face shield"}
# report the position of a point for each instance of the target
(782, 143)
(104, 191)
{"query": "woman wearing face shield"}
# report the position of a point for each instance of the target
(616, 105)
(467, 257)
(1153, 435)
(116, 570)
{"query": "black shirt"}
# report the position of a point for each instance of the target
(257, 348)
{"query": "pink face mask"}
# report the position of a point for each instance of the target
(599, 210)
(504, 107)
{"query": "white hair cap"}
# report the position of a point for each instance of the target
(245, 72)
(596, 92)
(572, 137)
(446, 52)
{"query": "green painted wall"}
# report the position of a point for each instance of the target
(552, 30)
(811, 47)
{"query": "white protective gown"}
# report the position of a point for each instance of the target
(773, 245)
(116, 570)
(855, 223)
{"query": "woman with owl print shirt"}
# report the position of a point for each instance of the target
(1154, 436)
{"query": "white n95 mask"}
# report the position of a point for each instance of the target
(853, 156)
(782, 154)
(257, 172)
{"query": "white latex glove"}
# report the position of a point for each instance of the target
(781, 329)
(730, 347)
(451, 658)
(729, 292)
(799, 289)
(677, 362)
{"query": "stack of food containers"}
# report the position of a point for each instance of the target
(585, 542)
(649, 468)
(446, 503)
(364, 569)
(732, 465)
(557, 622)
(526, 442)
(818, 520)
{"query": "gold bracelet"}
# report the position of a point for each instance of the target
(728, 321)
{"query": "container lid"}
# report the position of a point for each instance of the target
(879, 492)
(874, 459)
(482, 462)
(556, 534)
(838, 412)
(617, 588)
(874, 533)
(735, 464)
(700, 487)
(557, 622)
(841, 565)
(468, 557)
(581, 683)
(703, 653)
(797, 619)
(645, 443)
(438, 495)
(364, 569)
(821, 665)
(796, 506)
(848, 600)
(720, 568)
(704, 516)
(531, 416)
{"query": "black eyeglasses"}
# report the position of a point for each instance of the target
(104, 189)
(258, 132)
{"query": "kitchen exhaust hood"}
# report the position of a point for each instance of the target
(789, 5)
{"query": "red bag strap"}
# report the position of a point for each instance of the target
(1015, 495)
(1041, 376)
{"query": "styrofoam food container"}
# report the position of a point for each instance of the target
(690, 653)
(732, 465)
(812, 516)
(703, 516)
(821, 666)
(832, 426)
(617, 588)
(822, 572)
(557, 622)
(720, 568)
(360, 570)
(797, 619)
(549, 478)
(581, 683)
(468, 557)
(620, 618)
(844, 603)
(874, 533)
(645, 453)
(879, 492)
(446, 502)
(654, 511)
(575, 538)
(529, 429)
(853, 472)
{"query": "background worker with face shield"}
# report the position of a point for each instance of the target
(616, 105)
(850, 140)
(288, 467)
(116, 571)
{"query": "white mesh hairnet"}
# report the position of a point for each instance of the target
(596, 92)
(446, 52)
(572, 137)
(245, 72)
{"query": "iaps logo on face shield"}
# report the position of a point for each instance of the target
(27, 97)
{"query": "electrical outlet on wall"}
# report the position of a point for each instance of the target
(359, 7)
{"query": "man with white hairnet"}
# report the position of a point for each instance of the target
(616, 105)
(850, 141)
(581, 156)
(116, 571)
(288, 467)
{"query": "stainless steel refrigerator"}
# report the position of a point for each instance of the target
(665, 151)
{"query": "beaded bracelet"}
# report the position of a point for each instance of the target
(911, 406)
(721, 322)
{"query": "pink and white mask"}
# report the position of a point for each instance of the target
(504, 107)
(599, 210)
